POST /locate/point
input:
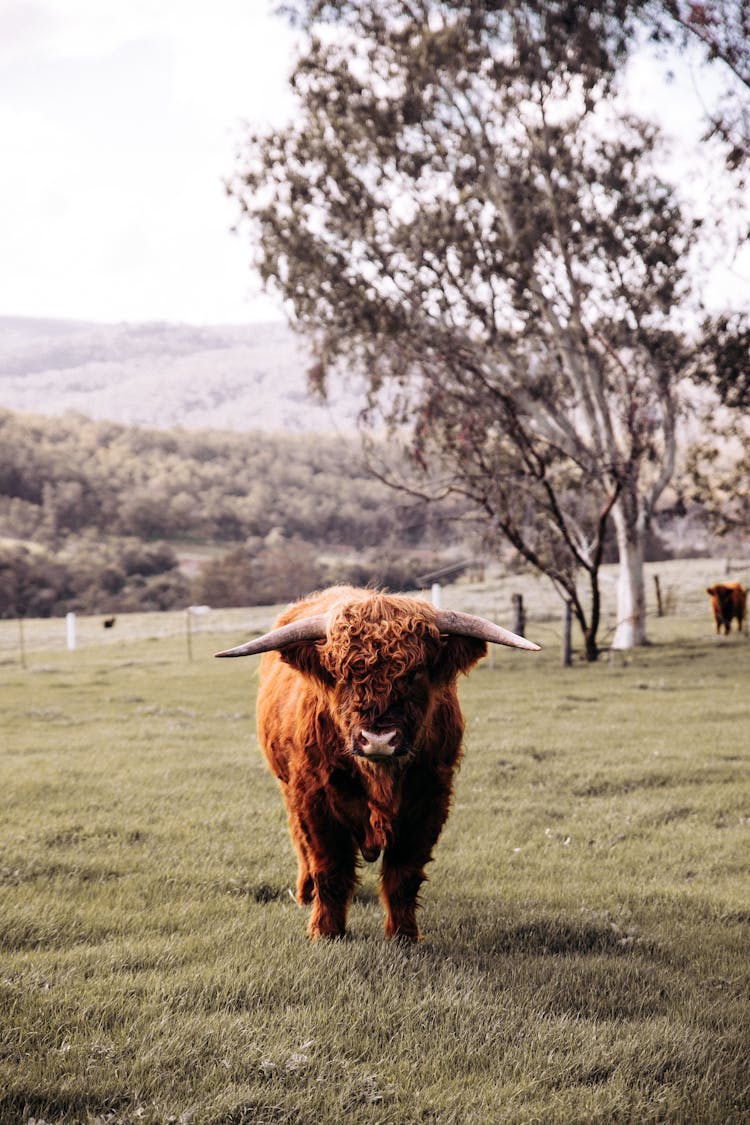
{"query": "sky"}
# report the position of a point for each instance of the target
(119, 122)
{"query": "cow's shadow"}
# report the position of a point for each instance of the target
(573, 967)
(553, 937)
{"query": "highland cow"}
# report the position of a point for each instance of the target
(358, 717)
(728, 601)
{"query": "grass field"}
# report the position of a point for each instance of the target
(587, 915)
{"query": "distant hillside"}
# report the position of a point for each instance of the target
(234, 378)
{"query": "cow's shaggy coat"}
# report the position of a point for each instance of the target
(728, 601)
(384, 666)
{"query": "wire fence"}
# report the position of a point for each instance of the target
(682, 586)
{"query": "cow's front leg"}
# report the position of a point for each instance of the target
(326, 858)
(399, 890)
(333, 893)
(332, 865)
(409, 852)
(305, 885)
(300, 837)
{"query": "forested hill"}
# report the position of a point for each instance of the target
(247, 377)
(94, 513)
(72, 475)
(150, 466)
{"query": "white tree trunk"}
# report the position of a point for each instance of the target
(631, 588)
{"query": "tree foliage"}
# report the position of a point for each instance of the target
(717, 471)
(89, 576)
(722, 28)
(723, 361)
(460, 211)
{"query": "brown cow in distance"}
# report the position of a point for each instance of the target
(728, 601)
(358, 717)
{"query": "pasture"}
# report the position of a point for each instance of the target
(586, 918)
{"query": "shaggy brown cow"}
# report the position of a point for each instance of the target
(359, 719)
(728, 601)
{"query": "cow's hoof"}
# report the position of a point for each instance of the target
(404, 937)
(328, 935)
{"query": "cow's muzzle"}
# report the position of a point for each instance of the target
(378, 746)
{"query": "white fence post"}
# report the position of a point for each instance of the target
(70, 629)
(436, 594)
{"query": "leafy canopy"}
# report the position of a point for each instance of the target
(460, 211)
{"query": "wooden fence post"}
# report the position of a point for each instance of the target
(659, 606)
(519, 615)
(567, 622)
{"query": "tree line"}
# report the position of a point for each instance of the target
(91, 511)
(63, 476)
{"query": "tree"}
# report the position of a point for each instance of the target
(722, 27)
(261, 573)
(458, 211)
(718, 464)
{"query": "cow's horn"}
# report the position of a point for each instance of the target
(296, 632)
(467, 625)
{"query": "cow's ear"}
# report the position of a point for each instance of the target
(458, 654)
(306, 659)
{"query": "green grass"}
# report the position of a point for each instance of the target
(586, 917)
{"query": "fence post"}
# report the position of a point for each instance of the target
(435, 593)
(659, 606)
(21, 642)
(567, 621)
(519, 615)
(70, 630)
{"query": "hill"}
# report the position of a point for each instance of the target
(234, 377)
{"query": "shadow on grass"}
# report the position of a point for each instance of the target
(560, 966)
(262, 893)
(551, 936)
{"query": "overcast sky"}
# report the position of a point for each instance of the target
(118, 120)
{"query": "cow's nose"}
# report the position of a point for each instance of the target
(383, 744)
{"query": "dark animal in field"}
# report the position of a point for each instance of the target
(728, 600)
(108, 622)
(358, 717)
